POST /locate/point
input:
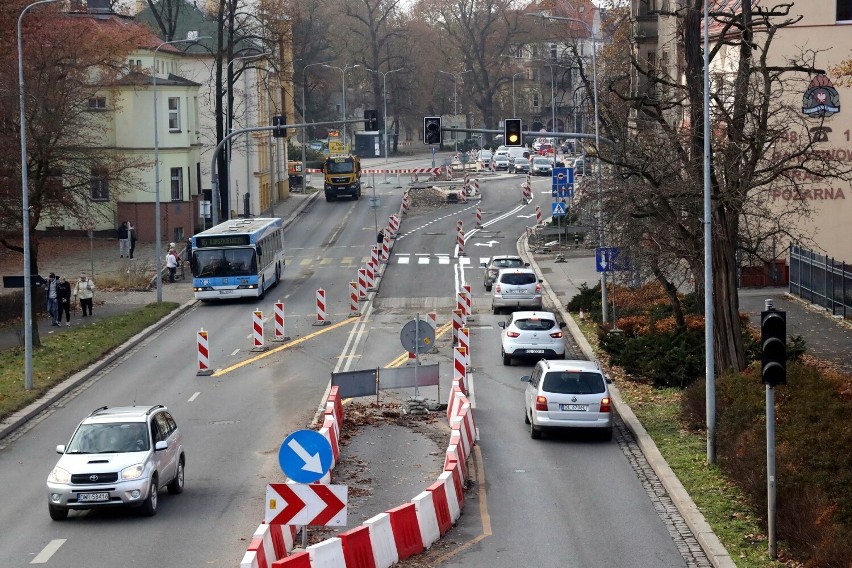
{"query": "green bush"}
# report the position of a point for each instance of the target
(587, 299)
(670, 359)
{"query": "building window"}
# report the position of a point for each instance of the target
(97, 103)
(99, 182)
(177, 184)
(844, 10)
(174, 114)
(553, 52)
(536, 102)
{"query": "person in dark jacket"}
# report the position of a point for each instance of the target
(63, 295)
(123, 241)
(131, 236)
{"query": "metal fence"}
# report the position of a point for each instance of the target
(821, 280)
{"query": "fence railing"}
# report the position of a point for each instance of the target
(821, 280)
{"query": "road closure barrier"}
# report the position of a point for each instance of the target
(203, 348)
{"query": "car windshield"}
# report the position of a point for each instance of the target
(507, 263)
(521, 279)
(574, 382)
(542, 161)
(225, 262)
(113, 438)
(534, 324)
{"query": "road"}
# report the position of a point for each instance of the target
(571, 500)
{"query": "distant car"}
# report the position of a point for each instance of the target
(567, 394)
(516, 288)
(580, 167)
(484, 158)
(496, 263)
(545, 150)
(519, 165)
(119, 456)
(534, 335)
(500, 162)
(541, 166)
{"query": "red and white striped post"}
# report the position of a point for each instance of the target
(279, 322)
(353, 300)
(460, 368)
(258, 343)
(362, 283)
(371, 276)
(537, 215)
(375, 252)
(203, 354)
(468, 297)
(461, 242)
(321, 309)
(458, 323)
(459, 225)
(476, 186)
(405, 202)
(464, 341)
(478, 217)
(386, 248)
(529, 179)
(432, 318)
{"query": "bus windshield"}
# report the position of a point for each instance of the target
(226, 262)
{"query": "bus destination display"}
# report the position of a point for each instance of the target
(223, 241)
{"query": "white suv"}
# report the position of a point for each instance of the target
(118, 456)
(567, 394)
(516, 288)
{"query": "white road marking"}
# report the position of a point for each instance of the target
(48, 551)
(423, 260)
(235, 351)
(193, 397)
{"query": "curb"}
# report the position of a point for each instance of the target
(707, 539)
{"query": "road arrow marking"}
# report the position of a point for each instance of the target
(488, 244)
(527, 216)
(312, 462)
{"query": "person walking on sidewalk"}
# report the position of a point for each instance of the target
(85, 291)
(123, 241)
(131, 237)
(172, 263)
(52, 306)
(63, 294)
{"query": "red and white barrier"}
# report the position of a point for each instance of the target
(405, 202)
(203, 348)
(362, 283)
(382, 540)
(464, 341)
(278, 313)
(353, 300)
(458, 322)
(537, 215)
(432, 318)
(386, 248)
(375, 254)
(322, 318)
(468, 302)
(461, 242)
(328, 553)
(258, 343)
(393, 223)
(460, 367)
(427, 520)
(478, 217)
(371, 275)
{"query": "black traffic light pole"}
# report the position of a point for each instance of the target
(773, 371)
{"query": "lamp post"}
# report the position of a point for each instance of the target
(385, 101)
(596, 22)
(25, 211)
(191, 37)
(343, 71)
(514, 114)
(455, 95)
(305, 119)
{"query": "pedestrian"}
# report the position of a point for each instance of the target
(52, 305)
(123, 241)
(131, 236)
(85, 291)
(63, 293)
(172, 262)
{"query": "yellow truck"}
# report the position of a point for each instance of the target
(342, 176)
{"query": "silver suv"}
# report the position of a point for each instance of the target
(495, 263)
(567, 394)
(516, 288)
(118, 456)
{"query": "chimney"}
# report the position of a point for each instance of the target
(99, 7)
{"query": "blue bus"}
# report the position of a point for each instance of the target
(237, 258)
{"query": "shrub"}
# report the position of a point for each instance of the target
(587, 299)
(672, 359)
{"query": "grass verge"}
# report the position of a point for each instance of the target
(724, 507)
(61, 356)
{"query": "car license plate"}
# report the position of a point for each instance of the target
(92, 497)
(573, 407)
(534, 351)
(226, 291)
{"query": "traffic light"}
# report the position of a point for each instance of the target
(371, 120)
(773, 347)
(431, 129)
(280, 122)
(513, 132)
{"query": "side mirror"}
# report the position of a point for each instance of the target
(483, 264)
(501, 324)
(161, 445)
(525, 379)
(541, 280)
(562, 324)
(526, 264)
(60, 449)
(259, 251)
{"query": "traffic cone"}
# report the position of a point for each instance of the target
(582, 315)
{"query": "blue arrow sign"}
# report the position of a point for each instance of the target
(607, 259)
(557, 209)
(305, 456)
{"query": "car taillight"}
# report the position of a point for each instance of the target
(556, 334)
(540, 403)
(513, 334)
(538, 288)
(606, 404)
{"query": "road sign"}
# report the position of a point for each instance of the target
(410, 340)
(562, 191)
(607, 259)
(305, 456)
(557, 209)
(563, 176)
(314, 504)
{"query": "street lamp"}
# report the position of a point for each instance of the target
(385, 101)
(191, 37)
(25, 212)
(305, 120)
(455, 95)
(596, 22)
(343, 71)
(514, 114)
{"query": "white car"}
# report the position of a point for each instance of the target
(500, 162)
(484, 158)
(532, 335)
(567, 394)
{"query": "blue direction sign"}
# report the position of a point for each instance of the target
(563, 176)
(305, 456)
(557, 209)
(607, 259)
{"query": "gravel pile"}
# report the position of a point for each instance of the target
(428, 197)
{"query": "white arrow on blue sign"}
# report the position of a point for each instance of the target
(305, 456)
(606, 258)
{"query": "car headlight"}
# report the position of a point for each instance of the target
(132, 472)
(59, 475)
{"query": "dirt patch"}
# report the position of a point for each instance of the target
(429, 198)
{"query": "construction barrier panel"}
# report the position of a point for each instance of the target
(322, 318)
(353, 299)
(453, 506)
(327, 554)
(382, 540)
(257, 331)
(357, 548)
(278, 311)
(427, 519)
(442, 506)
(406, 531)
(203, 348)
(298, 560)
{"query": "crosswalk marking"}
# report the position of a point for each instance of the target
(423, 260)
(403, 260)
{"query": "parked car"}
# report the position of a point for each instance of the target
(496, 263)
(119, 456)
(541, 166)
(531, 335)
(500, 162)
(567, 394)
(484, 158)
(516, 288)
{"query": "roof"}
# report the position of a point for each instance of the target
(135, 78)
(116, 21)
(126, 413)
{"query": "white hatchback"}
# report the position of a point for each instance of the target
(567, 394)
(532, 335)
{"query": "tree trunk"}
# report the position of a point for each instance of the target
(674, 300)
(729, 352)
